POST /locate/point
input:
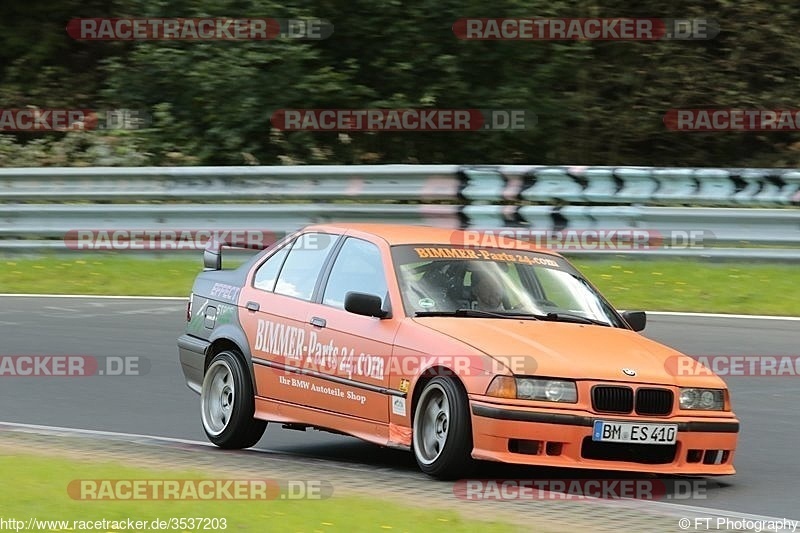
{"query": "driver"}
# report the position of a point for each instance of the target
(488, 292)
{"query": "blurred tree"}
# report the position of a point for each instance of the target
(596, 102)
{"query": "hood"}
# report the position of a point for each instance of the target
(562, 349)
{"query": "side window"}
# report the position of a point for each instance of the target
(302, 266)
(267, 273)
(358, 268)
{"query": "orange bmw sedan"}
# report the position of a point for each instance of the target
(407, 337)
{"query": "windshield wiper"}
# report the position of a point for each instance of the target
(476, 313)
(570, 317)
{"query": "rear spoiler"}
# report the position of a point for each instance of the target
(212, 255)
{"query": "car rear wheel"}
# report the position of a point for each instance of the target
(227, 404)
(442, 432)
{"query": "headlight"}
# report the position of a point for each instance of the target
(703, 399)
(547, 390)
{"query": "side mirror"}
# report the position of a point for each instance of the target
(636, 319)
(365, 304)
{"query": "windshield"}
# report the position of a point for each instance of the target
(449, 280)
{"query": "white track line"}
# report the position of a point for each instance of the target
(674, 508)
(34, 428)
(181, 298)
(721, 315)
(127, 437)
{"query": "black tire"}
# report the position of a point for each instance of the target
(448, 456)
(227, 403)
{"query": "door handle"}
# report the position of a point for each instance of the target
(317, 321)
(253, 306)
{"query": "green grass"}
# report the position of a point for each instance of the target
(37, 486)
(100, 274)
(674, 285)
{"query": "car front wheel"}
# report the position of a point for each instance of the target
(442, 432)
(228, 404)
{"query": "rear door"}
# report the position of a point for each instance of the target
(276, 316)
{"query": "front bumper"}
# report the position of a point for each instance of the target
(562, 438)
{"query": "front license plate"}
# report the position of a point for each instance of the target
(632, 432)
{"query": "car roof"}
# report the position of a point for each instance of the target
(400, 234)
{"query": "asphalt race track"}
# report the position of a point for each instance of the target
(158, 403)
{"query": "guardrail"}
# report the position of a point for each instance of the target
(749, 212)
(523, 183)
